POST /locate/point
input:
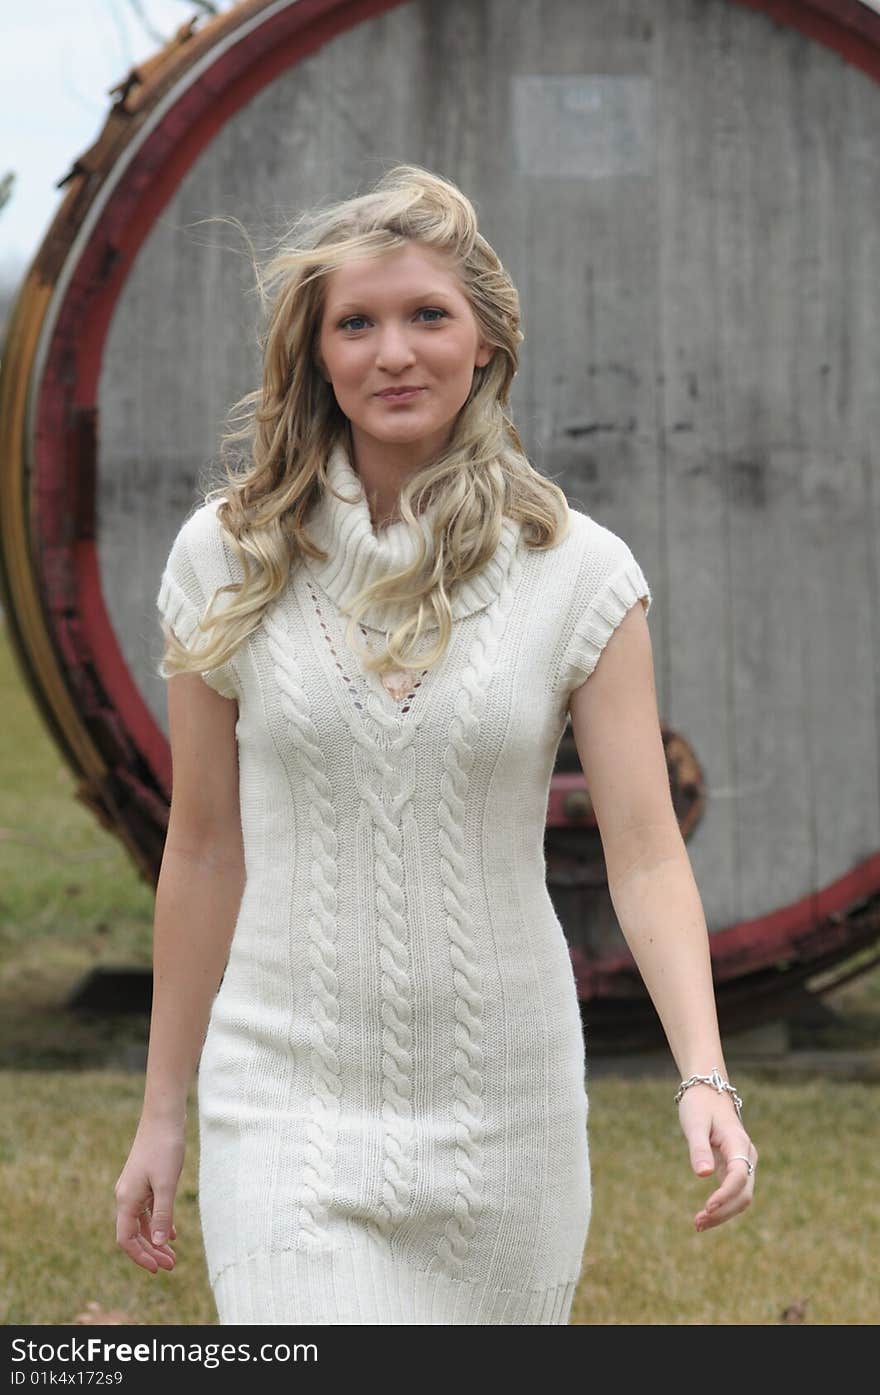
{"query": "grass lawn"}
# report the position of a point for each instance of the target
(70, 899)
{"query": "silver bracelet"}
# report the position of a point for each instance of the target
(717, 1081)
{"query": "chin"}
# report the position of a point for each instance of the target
(403, 430)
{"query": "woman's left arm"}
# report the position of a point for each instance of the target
(617, 733)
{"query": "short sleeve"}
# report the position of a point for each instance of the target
(610, 581)
(195, 568)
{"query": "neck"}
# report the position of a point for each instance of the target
(384, 467)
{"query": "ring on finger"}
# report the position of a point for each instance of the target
(749, 1164)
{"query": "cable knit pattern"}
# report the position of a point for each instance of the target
(392, 1096)
(396, 1001)
(452, 1246)
(386, 791)
(316, 1188)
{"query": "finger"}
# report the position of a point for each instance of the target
(733, 1196)
(131, 1221)
(708, 1220)
(161, 1258)
(129, 1240)
(163, 1254)
(737, 1176)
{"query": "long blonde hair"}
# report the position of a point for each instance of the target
(292, 421)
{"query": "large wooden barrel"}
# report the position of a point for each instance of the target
(685, 193)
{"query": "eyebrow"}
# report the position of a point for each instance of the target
(420, 296)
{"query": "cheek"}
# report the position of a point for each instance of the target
(454, 356)
(345, 365)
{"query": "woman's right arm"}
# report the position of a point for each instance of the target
(198, 895)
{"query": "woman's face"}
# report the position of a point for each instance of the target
(401, 318)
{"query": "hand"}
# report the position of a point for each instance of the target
(145, 1195)
(714, 1135)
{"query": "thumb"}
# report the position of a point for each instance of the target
(701, 1154)
(162, 1219)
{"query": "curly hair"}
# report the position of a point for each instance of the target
(291, 423)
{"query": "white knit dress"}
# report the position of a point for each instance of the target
(392, 1101)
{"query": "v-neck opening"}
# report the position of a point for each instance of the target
(352, 685)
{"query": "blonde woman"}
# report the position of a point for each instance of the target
(375, 631)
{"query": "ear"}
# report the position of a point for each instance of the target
(483, 355)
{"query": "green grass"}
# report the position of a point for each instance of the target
(71, 899)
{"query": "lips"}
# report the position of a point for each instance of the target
(392, 393)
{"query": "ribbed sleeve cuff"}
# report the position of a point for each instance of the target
(180, 613)
(616, 596)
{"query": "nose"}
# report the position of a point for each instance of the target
(394, 350)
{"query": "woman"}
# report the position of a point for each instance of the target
(400, 614)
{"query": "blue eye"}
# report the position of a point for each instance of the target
(425, 310)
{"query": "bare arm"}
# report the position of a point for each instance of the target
(197, 900)
(654, 894)
(199, 890)
(617, 734)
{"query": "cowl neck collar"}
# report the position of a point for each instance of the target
(359, 553)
